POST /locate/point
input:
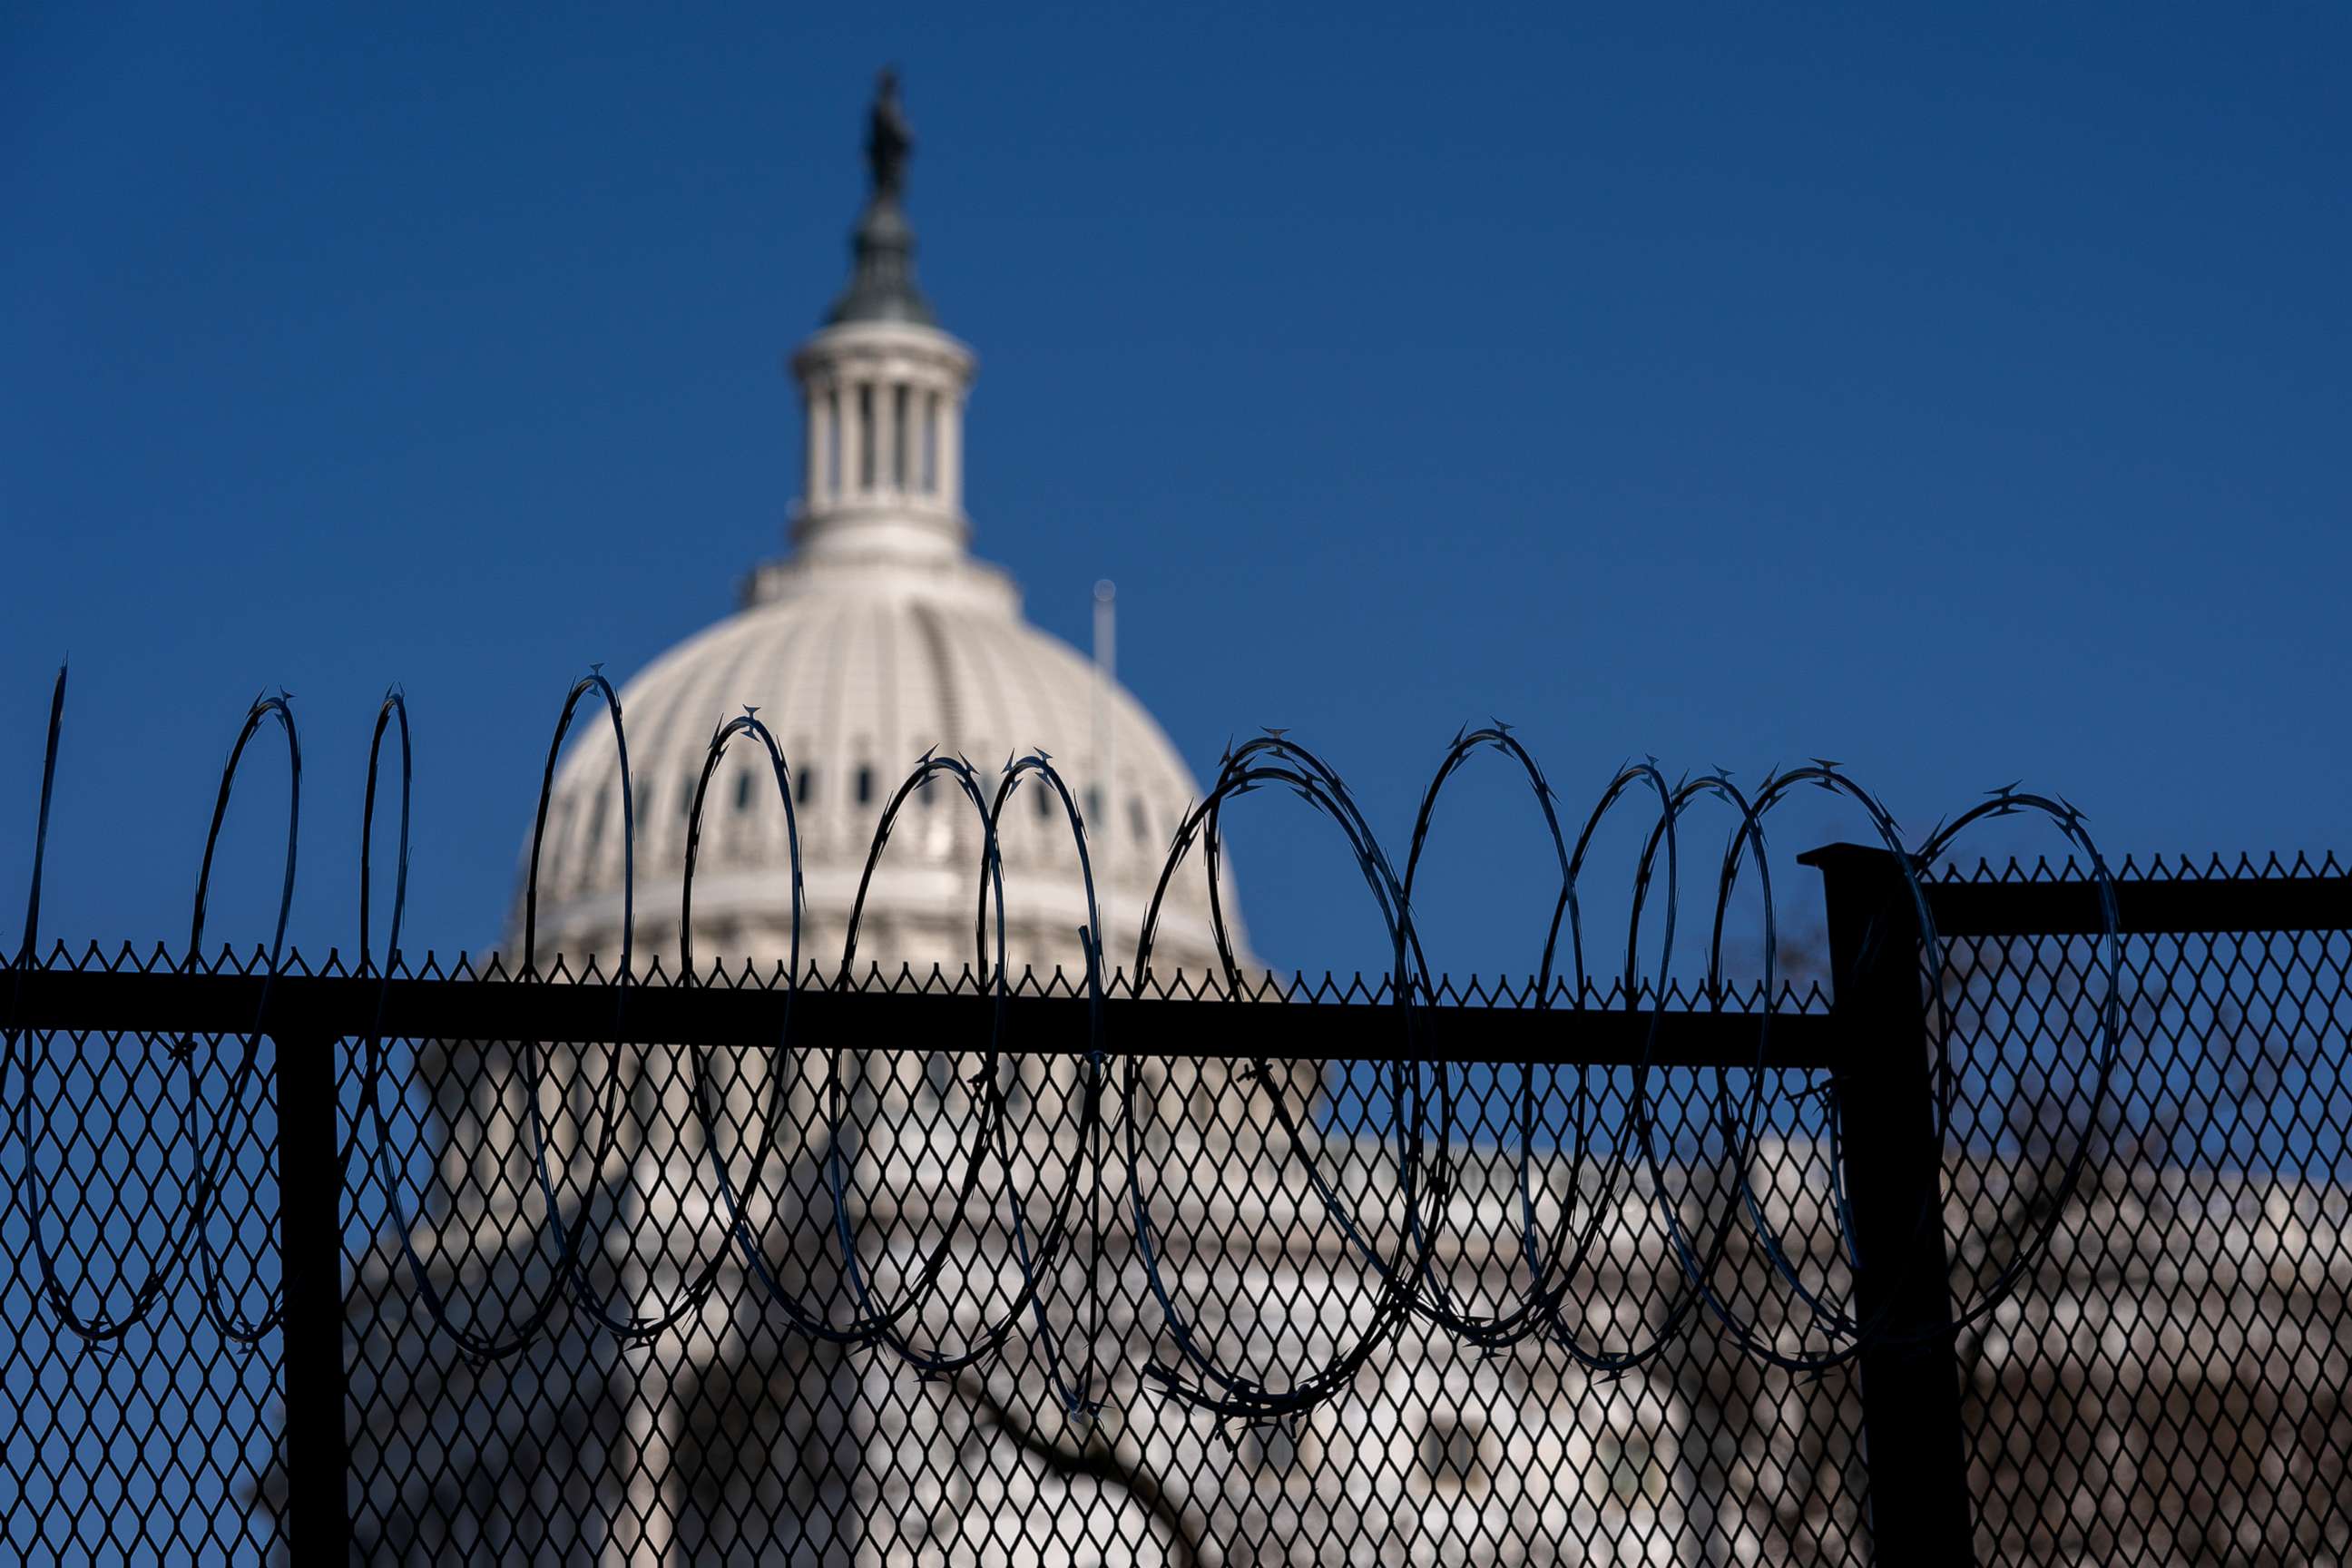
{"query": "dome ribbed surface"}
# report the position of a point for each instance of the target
(857, 674)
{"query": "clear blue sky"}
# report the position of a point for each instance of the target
(1962, 396)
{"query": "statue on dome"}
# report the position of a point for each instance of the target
(887, 141)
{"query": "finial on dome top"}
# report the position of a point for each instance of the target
(882, 268)
(888, 142)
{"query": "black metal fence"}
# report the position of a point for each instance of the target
(458, 1267)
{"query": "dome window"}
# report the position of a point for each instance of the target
(866, 786)
(1137, 821)
(804, 786)
(1045, 801)
(685, 794)
(743, 791)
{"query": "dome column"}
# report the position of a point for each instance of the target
(947, 478)
(819, 424)
(895, 405)
(882, 405)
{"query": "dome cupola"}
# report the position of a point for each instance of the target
(883, 388)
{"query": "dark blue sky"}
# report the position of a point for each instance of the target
(1962, 397)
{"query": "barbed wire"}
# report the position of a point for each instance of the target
(1421, 1089)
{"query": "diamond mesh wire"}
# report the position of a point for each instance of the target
(2169, 1386)
(2165, 1387)
(145, 1447)
(736, 1440)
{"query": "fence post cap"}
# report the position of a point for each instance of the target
(1843, 855)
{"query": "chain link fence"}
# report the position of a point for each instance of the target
(602, 1248)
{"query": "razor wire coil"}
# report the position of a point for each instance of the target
(1419, 1087)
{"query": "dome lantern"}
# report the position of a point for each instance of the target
(883, 388)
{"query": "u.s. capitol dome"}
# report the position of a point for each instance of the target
(875, 640)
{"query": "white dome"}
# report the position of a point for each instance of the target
(878, 640)
(858, 668)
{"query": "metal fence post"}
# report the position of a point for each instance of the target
(311, 1235)
(1920, 1511)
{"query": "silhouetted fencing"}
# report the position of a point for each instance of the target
(457, 1267)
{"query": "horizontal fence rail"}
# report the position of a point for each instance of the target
(2294, 897)
(348, 1007)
